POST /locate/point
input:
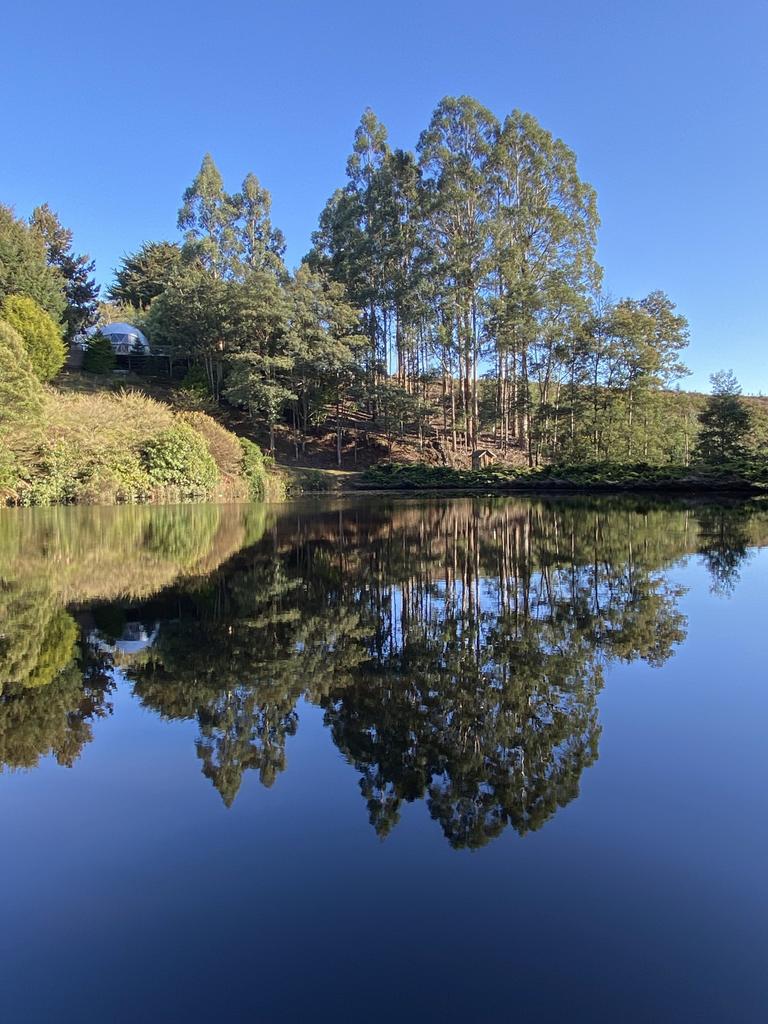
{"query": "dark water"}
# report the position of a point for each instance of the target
(470, 760)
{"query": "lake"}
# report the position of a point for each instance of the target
(469, 759)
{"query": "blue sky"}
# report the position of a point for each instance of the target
(109, 108)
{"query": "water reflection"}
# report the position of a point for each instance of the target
(456, 647)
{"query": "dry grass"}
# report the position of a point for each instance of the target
(223, 446)
(100, 420)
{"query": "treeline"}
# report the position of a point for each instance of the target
(452, 293)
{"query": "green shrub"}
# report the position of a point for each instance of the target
(253, 469)
(20, 391)
(99, 355)
(738, 475)
(40, 333)
(118, 476)
(55, 478)
(310, 481)
(179, 457)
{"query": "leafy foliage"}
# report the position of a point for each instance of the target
(179, 457)
(106, 447)
(744, 475)
(145, 274)
(20, 391)
(39, 332)
(24, 269)
(253, 469)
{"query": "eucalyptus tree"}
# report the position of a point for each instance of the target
(260, 347)
(544, 235)
(350, 243)
(224, 303)
(455, 154)
(404, 262)
(648, 336)
(207, 217)
(328, 340)
(261, 245)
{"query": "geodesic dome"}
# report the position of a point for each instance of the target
(125, 338)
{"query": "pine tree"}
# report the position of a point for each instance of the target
(81, 290)
(725, 421)
(145, 274)
(24, 269)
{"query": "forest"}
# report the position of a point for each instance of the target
(451, 293)
(451, 297)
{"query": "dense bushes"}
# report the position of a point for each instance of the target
(39, 332)
(20, 390)
(179, 457)
(103, 448)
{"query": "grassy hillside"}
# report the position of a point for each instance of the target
(103, 447)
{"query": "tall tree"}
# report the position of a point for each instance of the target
(145, 274)
(349, 243)
(544, 235)
(454, 154)
(81, 290)
(24, 269)
(328, 340)
(190, 317)
(648, 336)
(725, 420)
(207, 218)
(261, 349)
(262, 246)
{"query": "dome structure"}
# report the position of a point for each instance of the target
(126, 339)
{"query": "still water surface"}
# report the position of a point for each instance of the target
(471, 759)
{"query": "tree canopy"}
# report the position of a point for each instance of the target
(80, 288)
(24, 269)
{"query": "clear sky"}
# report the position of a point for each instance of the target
(108, 108)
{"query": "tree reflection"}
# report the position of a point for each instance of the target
(724, 546)
(54, 719)
(457, 648)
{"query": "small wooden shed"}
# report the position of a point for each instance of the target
(481, 458)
